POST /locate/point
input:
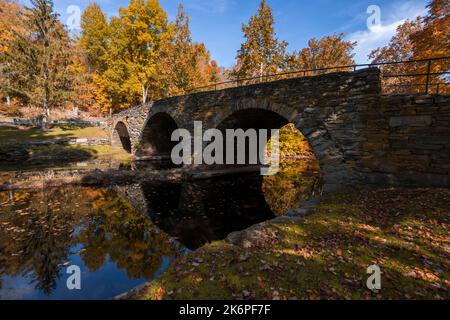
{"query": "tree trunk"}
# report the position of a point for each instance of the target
(45, 117)
(144, 94)
(46, 85)
(261, 68)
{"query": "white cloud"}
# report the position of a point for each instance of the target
(378, 36)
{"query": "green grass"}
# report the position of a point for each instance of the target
(12, 134)
(21, 156)
(13, 151)
(326, 255)
(75, 152)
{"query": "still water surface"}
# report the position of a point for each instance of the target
(125, 236)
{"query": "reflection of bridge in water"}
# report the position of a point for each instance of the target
(198, 212)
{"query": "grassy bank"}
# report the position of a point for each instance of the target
(13, 147)
(11, 134)
(29, 155)
(326, 256)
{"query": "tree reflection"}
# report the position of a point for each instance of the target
(36, 235)
(128, 238)
(299, 177)
(39, 231)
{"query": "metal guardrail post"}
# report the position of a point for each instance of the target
(428, 76)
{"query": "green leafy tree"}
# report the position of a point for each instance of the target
(261, 53)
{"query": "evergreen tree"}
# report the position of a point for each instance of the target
(262, 53)
(41, 58)
(183, 64)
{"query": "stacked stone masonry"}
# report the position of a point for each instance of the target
(360, 137)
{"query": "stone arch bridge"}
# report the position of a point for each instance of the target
(359, 136)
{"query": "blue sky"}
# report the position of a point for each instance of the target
(218, 23)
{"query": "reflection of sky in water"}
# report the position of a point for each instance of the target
(105, 283)
(42, 233)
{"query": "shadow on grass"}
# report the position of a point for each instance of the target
(14, 134)
(326, 255)
(14, 156)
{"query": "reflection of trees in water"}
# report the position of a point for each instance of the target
(36, 235)
(128, 238)
(299, 177)
(296, 182)
(37, 230)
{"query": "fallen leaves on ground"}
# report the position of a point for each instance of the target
(326, 256)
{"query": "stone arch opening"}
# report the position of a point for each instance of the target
(300, 175)
(156, 137)
(121, 137)
(251, 119)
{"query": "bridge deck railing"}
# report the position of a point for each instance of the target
(427, 76)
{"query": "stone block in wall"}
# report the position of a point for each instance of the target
(432, 140)
(426, 99)
(410, 121)
(377, 124)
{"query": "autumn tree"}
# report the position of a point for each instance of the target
(41, 59)
(83, 93)
(328, 51)
(176, 59)
(207, 69)
(400, 48)
(135, 40)
(416, 40)
(261, 53)
(433, 41)
(184, 64)
(94, 37)
(91, 60)
(11, 23)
